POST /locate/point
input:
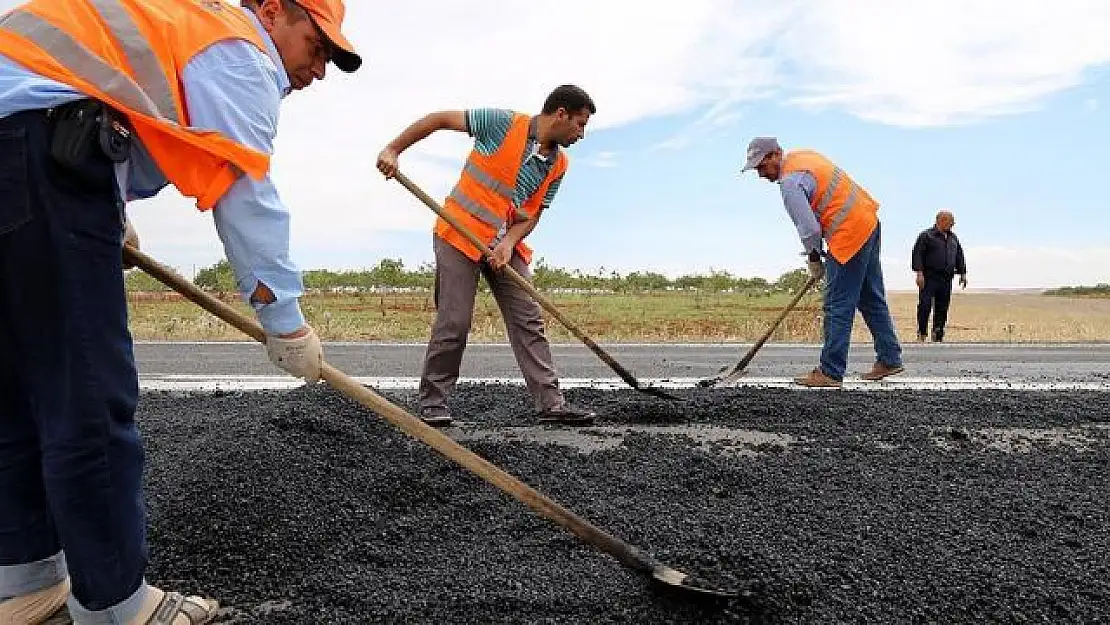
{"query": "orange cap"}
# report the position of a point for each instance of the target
(328, 16)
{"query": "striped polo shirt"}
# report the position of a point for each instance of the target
(489, 126)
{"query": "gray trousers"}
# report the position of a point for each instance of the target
(456, 285)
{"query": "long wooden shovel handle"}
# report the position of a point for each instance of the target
(774, 326)
(519, 279)
(409, 424)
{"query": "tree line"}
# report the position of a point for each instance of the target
(1099, 290)
(391, 274)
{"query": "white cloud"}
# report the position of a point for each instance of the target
(896, 63)
(941, 62)
(604, 160)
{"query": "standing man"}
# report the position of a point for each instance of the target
(825, 203)
(937, 258)
(509, 180)
(103, 101)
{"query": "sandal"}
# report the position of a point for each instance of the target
(197, 610)
(44, 607)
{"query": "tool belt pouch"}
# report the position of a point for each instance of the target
(86, 136)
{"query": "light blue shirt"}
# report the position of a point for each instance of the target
(236, 89)
(798, 190)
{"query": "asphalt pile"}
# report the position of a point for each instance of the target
(894, 506)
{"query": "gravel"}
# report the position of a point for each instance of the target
(892, 506)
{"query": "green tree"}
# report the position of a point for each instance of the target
(218, 277)
(792, 280)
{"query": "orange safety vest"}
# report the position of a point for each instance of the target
(482, 199)
(847, 212)
(129, 54)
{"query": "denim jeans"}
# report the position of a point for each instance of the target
(857, 283)
(71, 459)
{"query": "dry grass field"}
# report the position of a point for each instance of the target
(649, 317)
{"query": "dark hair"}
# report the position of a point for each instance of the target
(568, 97)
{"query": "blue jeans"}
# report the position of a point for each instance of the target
(71, 460)
(857, 283)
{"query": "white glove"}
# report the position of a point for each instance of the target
(300, 357)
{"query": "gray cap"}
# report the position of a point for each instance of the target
(758, 148)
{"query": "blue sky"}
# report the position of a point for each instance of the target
(1016, 183)
(998, 115)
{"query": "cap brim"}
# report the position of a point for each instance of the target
(343, 53)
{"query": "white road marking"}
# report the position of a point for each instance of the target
(201, 383)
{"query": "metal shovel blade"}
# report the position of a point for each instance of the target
(726, 374)
(680, 582)
(658, 392)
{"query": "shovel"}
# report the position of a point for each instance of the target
(726, 375)
(628, 555)
(527, 286)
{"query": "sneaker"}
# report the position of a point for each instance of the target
(817, 379)
(880, 371)
(567, 415)
(44, 607)
(922, 337)
(436, 417)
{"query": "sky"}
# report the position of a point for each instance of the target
(997, 111)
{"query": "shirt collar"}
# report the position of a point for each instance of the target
(534, 135)
(284, 86)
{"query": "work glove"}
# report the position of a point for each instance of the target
(816, 266)
(300, 357)
(131, 238)
(963, 281)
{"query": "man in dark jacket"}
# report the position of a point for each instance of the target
(937, 257)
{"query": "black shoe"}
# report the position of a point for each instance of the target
(938, 337)
(567, 415)
(436, 417)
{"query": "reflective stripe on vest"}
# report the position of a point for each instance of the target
(151, 95)
(475, 209)
(841, 214)
(472, 206)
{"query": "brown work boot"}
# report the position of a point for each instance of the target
(567, 414)
(817, 379)
(38, 608)
(171, 608)
(880, 371)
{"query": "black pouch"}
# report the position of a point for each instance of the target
(86, 136)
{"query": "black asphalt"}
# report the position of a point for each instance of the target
(897, 507)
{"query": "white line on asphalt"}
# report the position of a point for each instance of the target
(200, 383)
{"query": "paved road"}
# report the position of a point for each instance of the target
(1089, 363)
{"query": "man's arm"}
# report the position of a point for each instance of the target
(961, 266)
(516, 233)
(487, 126)
(231, 88)
(425, 126)
(917, 259)
(521, 229)
(797, 189)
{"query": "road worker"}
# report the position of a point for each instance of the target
(826, 204)
(102, 102)
(509, 179)
(937, 257)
